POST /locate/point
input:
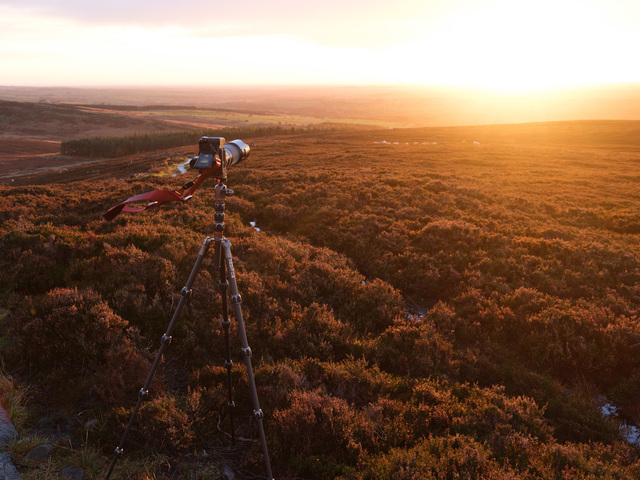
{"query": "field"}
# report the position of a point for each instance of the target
(442, 302)
(32, 132)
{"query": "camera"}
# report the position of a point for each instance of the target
(213, 158)
(213, 151)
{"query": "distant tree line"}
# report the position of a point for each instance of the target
(119, 146)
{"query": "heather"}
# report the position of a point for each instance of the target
(461, 304)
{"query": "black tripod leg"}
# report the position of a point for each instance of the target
(246, 351)
(185, 293)
(228, 363)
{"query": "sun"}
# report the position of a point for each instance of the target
(517, 46)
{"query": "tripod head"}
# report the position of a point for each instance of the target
(214, 156)
(213, 152)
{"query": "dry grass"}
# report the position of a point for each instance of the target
(13, 398)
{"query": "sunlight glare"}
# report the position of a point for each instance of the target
(515, 47)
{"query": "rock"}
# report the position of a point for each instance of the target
(39, 453)
(228, 472)
(73, 473)
(8, 432)
(7, 468)
(91, 424)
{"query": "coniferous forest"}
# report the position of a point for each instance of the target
(421, 303)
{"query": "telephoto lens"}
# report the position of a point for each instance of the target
(237, 151)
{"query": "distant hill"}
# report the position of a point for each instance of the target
(402, 106)
(46, 121)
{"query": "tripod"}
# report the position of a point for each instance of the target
(228, 288)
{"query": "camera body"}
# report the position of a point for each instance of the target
(213, 151)
(208, 150)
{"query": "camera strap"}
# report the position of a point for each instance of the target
(160, 197)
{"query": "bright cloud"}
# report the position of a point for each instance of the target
(489, 43)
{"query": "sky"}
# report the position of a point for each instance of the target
(504, 45)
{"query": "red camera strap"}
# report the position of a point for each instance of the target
(160, 197)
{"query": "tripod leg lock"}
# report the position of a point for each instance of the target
(246, 352)
(236, 299)
(118, 453)
(231, 404)
(258, 414)
(166, 339)
(228, 364)
(186, 292)
(143, 394)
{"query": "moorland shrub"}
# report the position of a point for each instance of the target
(457, 456)
(72, 340)
(315, 422)
(459, 314)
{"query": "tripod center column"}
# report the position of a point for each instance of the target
(221, 193)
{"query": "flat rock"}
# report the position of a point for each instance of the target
(8, 432)
(7, 468)
(72, 473)
(39, 453)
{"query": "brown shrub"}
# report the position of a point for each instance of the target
(316, 422)
(71, 336)
(164, 425)
(450, 457)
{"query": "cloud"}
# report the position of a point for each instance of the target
(281, 13)
(488, 43)
(349, 23)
